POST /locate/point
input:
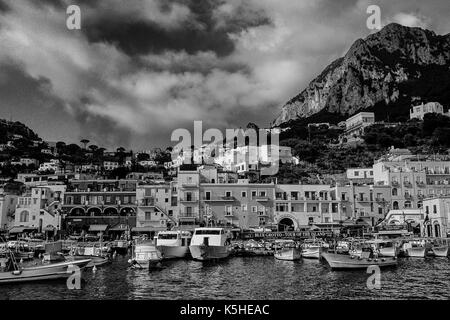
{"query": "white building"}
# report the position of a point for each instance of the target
(110, 165)
(437, 210)
(360, 173)
(418, 112)
(40, 209)
(355, 126)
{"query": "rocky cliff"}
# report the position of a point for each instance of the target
(392, 68)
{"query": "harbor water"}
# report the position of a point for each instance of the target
(245, 278)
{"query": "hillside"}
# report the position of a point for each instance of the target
(386, 73)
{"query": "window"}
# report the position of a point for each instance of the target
(208, 195)
(170, 213)
(148, 216)
(262, 193)
(228, 194)
(244, 194)
(395, 205)
(434, 209)
(244, 207)
(380, 210)
(356, 173)
(394, 191)
(254, 208)
(166, 200)
(310, 220)
(24, 216)
(253, 193)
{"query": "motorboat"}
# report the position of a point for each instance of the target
(415, 248)
(440, 247)
(311, 249)
(287, 250)
(145, 255)
(17, 274)
(173, 244)
(348, 261)
(209, 244)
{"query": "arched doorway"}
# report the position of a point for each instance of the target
(286, 224)
(395, 205)
(110, 212)
(127, 211)
(94, 211)
(437, 230)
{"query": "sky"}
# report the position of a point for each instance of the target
(139, 69)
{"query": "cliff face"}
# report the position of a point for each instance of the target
(386, 67)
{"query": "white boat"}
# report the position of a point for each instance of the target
(347, 261)
(440, 247)
(311, 249)
(145, 255)
(287, 250)
(209, 244)
(384, 248)
(173, 244)
(43, 272)
(414, 248)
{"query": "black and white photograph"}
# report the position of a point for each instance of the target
(224, 150)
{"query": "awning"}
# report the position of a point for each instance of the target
(148, 229)
(98, 227)
(21, 229)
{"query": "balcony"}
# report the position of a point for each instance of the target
(261, 198)
(189, 199)
(187, 215)
(189, 184)
(263, 214)
(407, 184)
(420, 196)
(395, 184)
(220, 199)
(380, 200)
(229, 214)
(420, 184)
(408, 197)
(363, 199)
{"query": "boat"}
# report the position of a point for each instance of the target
(96, 261)
(16, 274)
(209, 244)
(145, 255)
(287, 250)
(415, 248)
(311, 249)
(173, 244)
(348, 261)
(440, 247)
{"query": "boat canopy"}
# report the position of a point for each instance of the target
(148, 229)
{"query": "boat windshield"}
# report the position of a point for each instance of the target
(167, 236)
(198, 232)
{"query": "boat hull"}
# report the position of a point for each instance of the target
(290, 254)
(173, 252)
(440, 251)
(311, 253)
(342, 261)
(415, 252)
(387, 252)
(44, 272)
(202, 252)
(95, 261)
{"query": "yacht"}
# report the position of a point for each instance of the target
(440, 247)
(414, 248)
(311, 249)
(287, 250)
(209, 244)
(173, 244)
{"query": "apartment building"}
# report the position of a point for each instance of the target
(157, 206)
(298, 206)
(355, 125)
(418, 112)
(100, 202)
(39, 209)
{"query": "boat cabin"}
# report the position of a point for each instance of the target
(209, 237)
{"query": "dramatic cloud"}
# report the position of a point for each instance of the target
(139, 69)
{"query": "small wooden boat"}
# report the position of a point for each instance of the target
(311, 249)
(440, 247)
(43, 272)
(346, 261)
(287, 250)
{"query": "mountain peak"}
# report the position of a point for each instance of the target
(387, 68)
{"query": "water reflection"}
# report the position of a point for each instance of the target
(246, 278)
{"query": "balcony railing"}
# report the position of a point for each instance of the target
(261, 198)
(189, 184)
(407, 184)
(395, 183)
(188, 199)
(380, 200)
(187, 215)
(219, 199)
(420, 184)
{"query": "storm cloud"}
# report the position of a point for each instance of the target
(139, 69)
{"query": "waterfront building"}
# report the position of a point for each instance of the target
(360, 175)
(100, 202)
(418, 112)
(301, 206)
(437, 216)
(8, 203)
(413, 179)
(33, 180)
(39, 209)
(110, 165)
(157, 206)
